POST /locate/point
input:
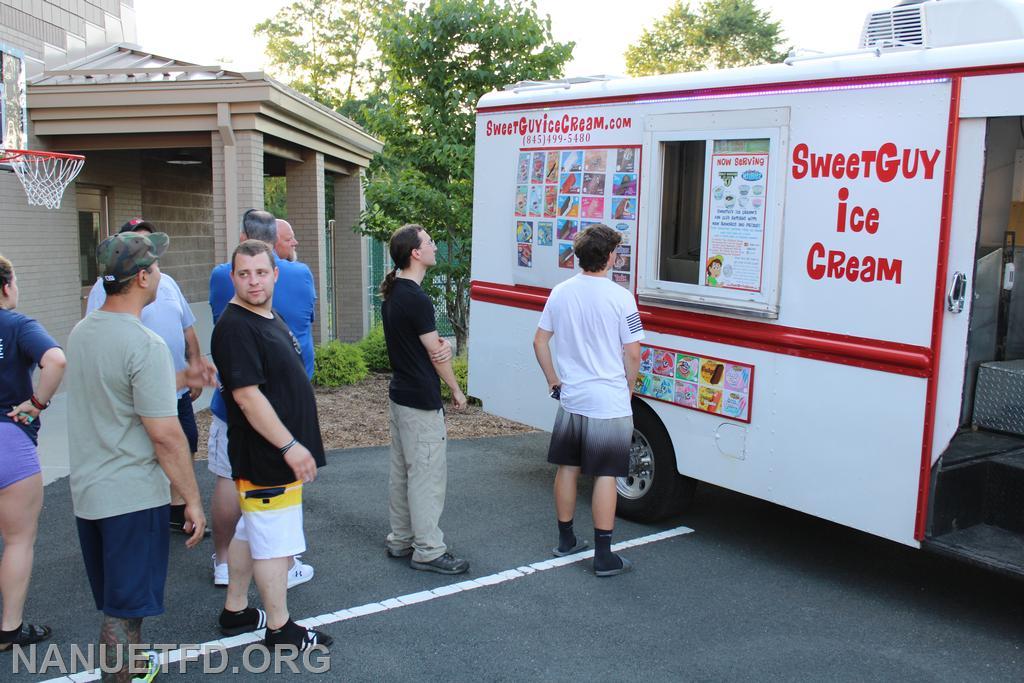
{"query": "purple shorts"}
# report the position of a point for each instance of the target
(20, 459)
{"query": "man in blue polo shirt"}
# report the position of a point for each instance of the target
(295, 300)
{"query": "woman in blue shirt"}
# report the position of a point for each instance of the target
(24, 344)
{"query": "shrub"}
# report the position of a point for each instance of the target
(375, 351)
(337, 364)
(460, 364)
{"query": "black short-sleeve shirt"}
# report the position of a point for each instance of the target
(408, 313)
(23, 341)
(250, 350)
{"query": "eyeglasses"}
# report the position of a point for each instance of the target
(428, 243)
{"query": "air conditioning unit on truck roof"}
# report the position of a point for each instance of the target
(943, 23)
(822, 253)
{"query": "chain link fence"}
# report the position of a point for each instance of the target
(380, 264)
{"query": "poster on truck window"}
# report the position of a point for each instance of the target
(737, 188)
(561, 191)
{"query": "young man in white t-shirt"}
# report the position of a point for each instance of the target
(597, 332)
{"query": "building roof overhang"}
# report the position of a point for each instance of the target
(124, 97)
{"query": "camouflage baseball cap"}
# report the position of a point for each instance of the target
(122, 255)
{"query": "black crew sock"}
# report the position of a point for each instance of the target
(249, 615)
(566, 537)
(178, 514)
(604, 558)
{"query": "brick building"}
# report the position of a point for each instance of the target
(186, 146)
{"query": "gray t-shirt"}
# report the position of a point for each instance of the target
(117, 371)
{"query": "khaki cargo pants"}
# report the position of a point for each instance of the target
(417, 481)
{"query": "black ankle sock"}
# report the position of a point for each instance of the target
(290, 632)
(9, 636)
(604, 558)
(178, 514)
(249, 615)
(566, 537)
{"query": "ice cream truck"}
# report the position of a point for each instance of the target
(823, 254)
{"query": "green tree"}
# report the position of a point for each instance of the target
(324, 48)
(438, 59)
(721, 34)
(275, 196)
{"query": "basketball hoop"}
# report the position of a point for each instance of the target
(44, 175)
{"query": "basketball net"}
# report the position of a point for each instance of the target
(44, 175)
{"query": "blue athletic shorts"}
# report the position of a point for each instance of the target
(187, 418)
(126, 561)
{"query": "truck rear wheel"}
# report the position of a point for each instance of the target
(653, 489)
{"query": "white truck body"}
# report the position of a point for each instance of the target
(844, 367)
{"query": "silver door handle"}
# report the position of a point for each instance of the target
(957, 293)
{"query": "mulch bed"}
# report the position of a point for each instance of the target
(357, 416)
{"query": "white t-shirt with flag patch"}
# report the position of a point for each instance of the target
(591, 319)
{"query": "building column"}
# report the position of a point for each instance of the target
(307, 206)
(351, 260)
(237, 160)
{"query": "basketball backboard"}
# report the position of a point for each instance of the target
(13, 114)
(44, 175)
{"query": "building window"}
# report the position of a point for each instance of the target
(93, 228)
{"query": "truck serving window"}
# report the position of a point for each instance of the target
(712, 230)
(682, 211)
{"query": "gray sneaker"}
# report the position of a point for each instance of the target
(446, 564)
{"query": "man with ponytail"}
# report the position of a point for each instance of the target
(419, 471)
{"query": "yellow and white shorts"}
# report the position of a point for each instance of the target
(271, 521)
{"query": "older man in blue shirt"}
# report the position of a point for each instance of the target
(295, 300)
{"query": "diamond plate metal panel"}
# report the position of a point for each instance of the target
(999, 398)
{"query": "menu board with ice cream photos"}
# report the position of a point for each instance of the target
(710, 385)
(734, 242)
(559, 192)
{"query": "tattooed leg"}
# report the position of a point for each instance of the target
(115, 637)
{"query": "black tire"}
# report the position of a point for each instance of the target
(654, 488)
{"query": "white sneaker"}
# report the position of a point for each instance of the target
(299, 573)
(220, 572)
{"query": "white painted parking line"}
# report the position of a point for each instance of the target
(405, 600)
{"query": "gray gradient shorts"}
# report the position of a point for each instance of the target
(599, 447)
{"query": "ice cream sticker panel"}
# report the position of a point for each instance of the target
(710, 385)
(559, 192)
(737, 192)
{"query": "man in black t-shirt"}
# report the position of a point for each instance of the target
(274, 446)
(419, 472)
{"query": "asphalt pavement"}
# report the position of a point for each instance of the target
(737, 589)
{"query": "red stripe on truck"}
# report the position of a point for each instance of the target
(874, 354)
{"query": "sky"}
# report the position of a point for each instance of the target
(221, 32)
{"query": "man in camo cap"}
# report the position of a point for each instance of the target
(126, 445)
(171, 317)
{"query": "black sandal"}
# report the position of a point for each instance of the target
(27, 635)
